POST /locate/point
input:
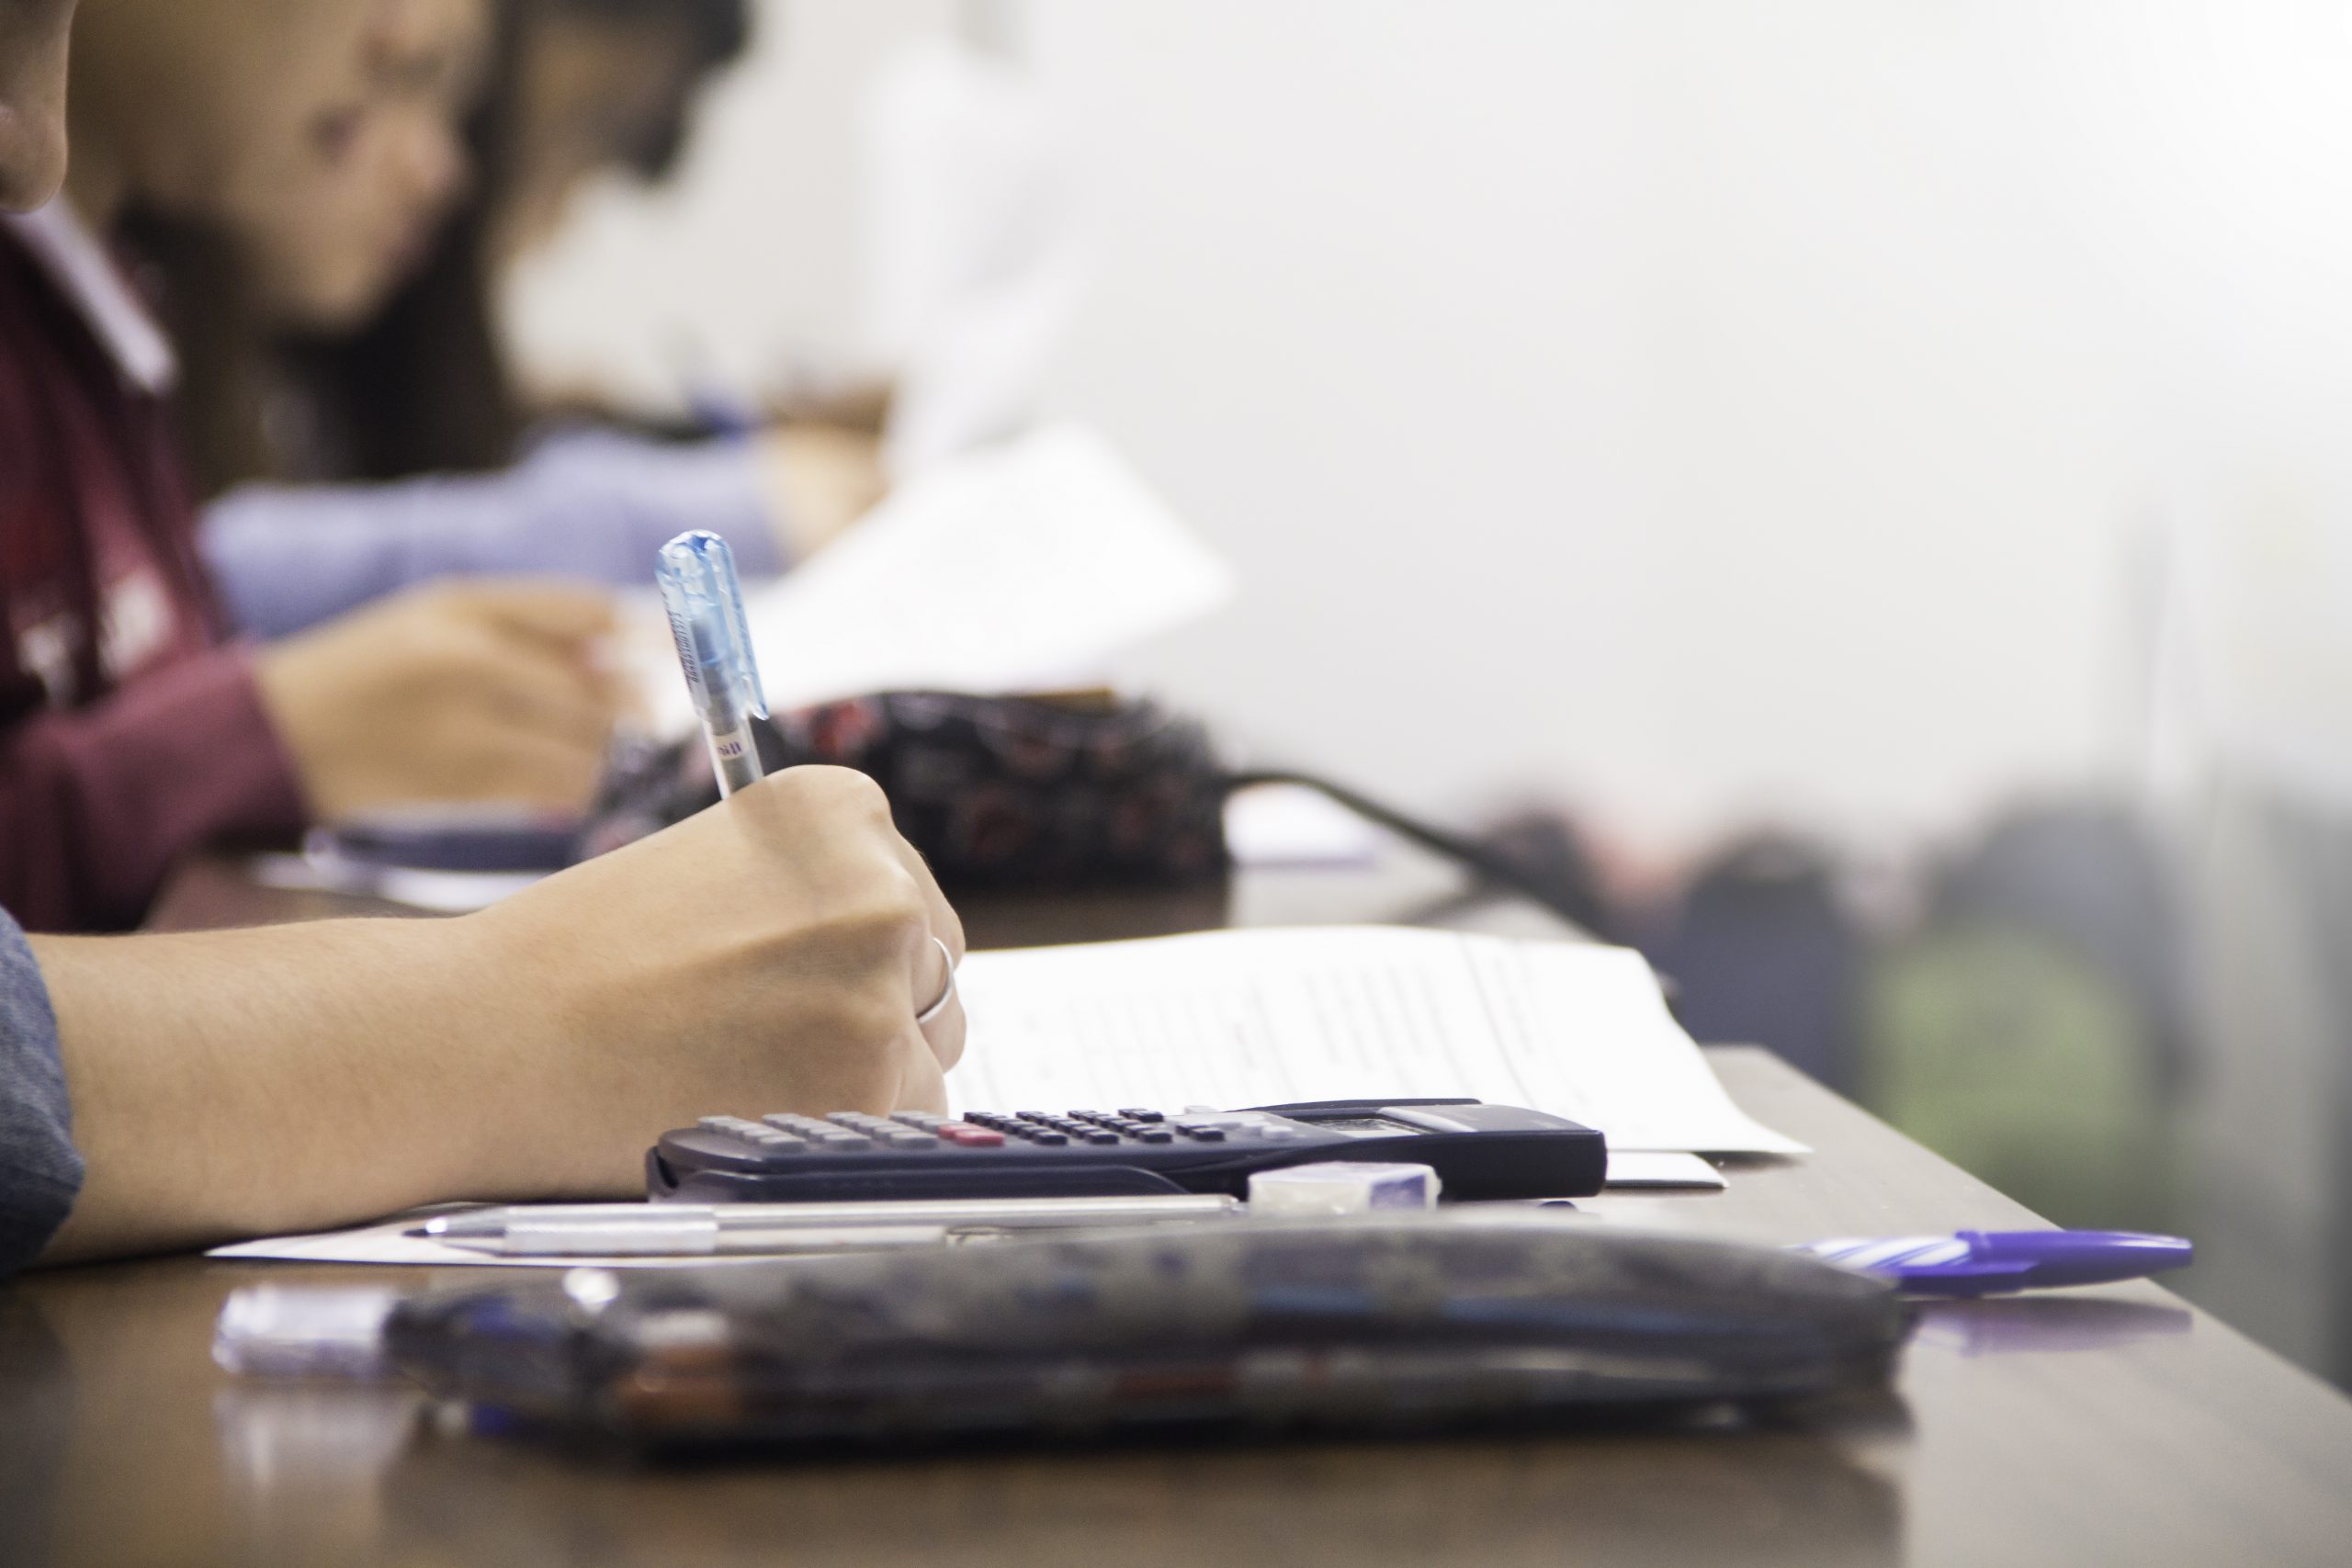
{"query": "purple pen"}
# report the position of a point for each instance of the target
(1983, 1263)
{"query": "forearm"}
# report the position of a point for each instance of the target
(770, 954)
(286, 1079)
(593, 505)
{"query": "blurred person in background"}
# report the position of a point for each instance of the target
(294, 389)
(164, 1090)
(132, 729)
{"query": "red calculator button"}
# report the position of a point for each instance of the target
(965, 1136)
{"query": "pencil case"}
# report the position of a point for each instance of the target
(1362, 1325)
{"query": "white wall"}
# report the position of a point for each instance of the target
(743, 269)
(1692, 408)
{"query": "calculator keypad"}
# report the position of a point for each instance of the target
(768, 1140)
(911, 1132)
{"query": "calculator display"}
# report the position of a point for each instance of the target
(1362, 1126)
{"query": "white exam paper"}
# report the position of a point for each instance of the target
(1017, 567)
(1663, 1168)
(1248, 1018)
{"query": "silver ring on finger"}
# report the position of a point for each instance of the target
(947, 992)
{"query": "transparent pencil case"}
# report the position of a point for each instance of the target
(1359, 1325)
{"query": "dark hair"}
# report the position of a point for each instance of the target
(190, 274)
(715, 31)
(422, 387)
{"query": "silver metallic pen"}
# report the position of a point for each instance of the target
(594, 1230)
(704, 599)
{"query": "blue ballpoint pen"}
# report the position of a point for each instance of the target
(696, 572)
(1983, 1263)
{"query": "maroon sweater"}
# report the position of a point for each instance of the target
(131, 731)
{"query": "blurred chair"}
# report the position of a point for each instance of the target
(2030, 1027)
(2271, 1103)
(2251, 749)
(1760, 950)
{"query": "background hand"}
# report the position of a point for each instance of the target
(449, 692)
(819, 479)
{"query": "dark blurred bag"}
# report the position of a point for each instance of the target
(1027, 792)
(996, 792)
(1082, 790)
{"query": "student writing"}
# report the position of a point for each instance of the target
(158, 1091)
(132, 729)
(293, 392)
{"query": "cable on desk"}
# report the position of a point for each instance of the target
(1572, 899)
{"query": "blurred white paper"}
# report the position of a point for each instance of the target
(442, 892)
(1289, 825)
(1242, 1018)
(1014, 569)
(973, 267)
(1663, 1168)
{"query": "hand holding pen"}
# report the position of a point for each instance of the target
(704, 599)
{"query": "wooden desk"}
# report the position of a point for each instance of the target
(2115, 1425)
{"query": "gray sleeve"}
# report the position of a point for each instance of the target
(586, 503)
(40, 1170)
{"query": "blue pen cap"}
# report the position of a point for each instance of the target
(696, 572)
(1980, 1263)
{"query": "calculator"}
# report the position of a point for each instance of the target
(1477, 1150)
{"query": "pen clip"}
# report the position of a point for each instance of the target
(705, 598)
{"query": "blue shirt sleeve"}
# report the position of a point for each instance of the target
(586, 502)
(40, 1170)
